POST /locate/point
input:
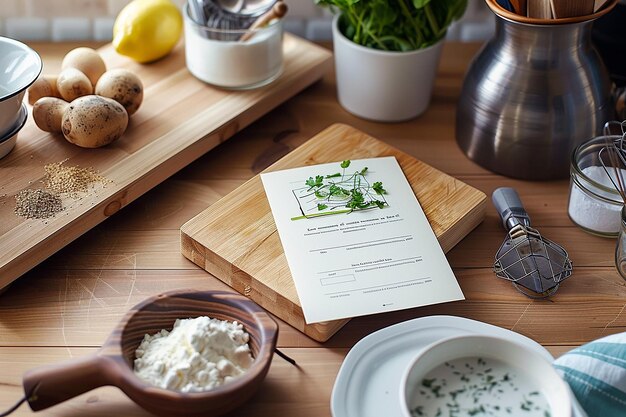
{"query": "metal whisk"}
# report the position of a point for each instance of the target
(613, 156)
(613, 159)
(535, 265)
(227, 15)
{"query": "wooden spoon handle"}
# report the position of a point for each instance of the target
(49, 385)
(519, 6)
(571, 8)
(276, 12)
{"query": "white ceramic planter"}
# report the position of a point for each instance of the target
(380, 85)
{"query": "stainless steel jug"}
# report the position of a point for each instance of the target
(533, 93)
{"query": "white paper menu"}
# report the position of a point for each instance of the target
(356, 239)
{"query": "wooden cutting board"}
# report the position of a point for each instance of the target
(236, 239)
(180, 119)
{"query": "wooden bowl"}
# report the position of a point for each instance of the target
(113, 363)
(502, 12)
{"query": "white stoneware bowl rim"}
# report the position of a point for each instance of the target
(24, 84)
(562, 397)
(21, 121)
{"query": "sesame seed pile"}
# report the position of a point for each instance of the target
(71, 180)
(37, 204)
(60, 181)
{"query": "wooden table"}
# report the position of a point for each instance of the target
(67, 306)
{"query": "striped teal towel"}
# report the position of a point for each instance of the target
(596, 372)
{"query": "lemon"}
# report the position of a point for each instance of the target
(146, 30)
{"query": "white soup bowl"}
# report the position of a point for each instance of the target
(473, 372)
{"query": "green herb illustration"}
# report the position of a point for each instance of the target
(339, 193)
(474, 387)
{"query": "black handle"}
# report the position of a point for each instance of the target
(510, 207)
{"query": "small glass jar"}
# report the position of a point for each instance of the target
(594, 203)
(219, 56)
(620, 249)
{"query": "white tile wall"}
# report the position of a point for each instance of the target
(296, 26)
(302, 9)
(27, 28)
(60, 20)
(71, 29)
(115, 6)
(64, 8)
(103, 28)
(12, 8)
(476, 31)
(319, 28)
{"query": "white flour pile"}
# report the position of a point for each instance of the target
(592, 213)
(197, 355)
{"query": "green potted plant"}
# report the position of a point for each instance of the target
(387, 53)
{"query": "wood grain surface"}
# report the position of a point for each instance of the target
(236, 238)
(180, 119)
(67, 306)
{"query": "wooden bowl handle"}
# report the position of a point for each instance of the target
(49, 385)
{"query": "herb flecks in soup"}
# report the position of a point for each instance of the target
(477, 387)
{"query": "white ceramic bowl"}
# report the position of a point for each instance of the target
(7, 142)
(19, 68)
(506, 378)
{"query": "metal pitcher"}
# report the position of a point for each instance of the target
(532, 94)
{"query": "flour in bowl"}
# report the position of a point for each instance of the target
(197, 355)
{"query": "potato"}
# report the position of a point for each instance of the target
(122, 86)
(48, 113)
(87, 61)
(45, 86)
(72, 84)
(93, 121)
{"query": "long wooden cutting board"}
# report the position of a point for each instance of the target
(236, 239)
(180, 119)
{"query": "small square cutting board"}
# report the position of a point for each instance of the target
(236, 239)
